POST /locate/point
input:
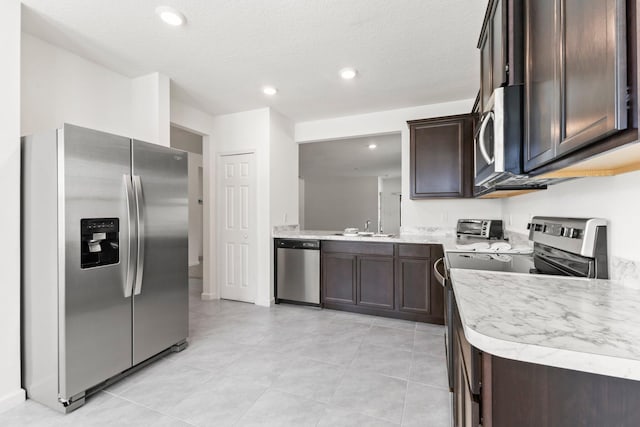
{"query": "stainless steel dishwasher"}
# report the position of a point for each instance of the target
(297, 271)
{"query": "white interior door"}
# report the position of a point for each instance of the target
(237, 212)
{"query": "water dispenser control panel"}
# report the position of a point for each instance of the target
(99, 242)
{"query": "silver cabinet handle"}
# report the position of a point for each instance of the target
(481, 140)
(139, 196)
(441, 279)
(131, 212)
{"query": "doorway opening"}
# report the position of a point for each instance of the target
(192, 143)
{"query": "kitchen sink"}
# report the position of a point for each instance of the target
(364, 234)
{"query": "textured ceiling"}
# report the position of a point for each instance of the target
(407, 52)
(352, 157)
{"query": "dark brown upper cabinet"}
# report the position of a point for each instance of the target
(441, 159)
(501, 47)
(575, 76)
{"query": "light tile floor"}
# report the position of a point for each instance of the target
(281, 366)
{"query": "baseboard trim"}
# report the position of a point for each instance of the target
(10, 400)
(208, 297)
(264, 303)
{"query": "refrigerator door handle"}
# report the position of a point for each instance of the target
(131, 212)
(137, 185)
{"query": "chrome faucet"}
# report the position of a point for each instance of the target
(367, 223)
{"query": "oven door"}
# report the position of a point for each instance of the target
(469, 227)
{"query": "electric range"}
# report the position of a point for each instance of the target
(561, 246)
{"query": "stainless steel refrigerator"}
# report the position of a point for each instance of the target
(104, 245)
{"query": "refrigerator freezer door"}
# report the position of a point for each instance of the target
(161, 296)
(95, 340)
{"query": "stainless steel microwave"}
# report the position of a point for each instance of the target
(498, 140)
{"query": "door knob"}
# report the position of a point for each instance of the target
(245, 236)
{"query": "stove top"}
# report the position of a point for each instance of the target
(508, 263)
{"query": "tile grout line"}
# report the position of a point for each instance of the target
(404, 403)
(251, 406)
(147, 407)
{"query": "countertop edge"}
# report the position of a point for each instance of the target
(598, 364)
(559, 358)
(448, 242)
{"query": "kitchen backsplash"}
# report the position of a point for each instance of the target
(281, 228)
(428, 230)
(626, 271)
(517, 239)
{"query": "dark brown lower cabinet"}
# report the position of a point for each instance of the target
(418, 292)
(375, 282)
(339, 276)
(384, 279)
(531, 395)
(495, 392)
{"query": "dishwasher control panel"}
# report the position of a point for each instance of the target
(297, 244)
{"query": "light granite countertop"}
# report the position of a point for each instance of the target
(447, 241)
(580, 324)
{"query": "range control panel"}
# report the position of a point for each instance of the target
(581, 236)
(555, 229)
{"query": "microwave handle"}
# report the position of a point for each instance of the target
(481, 140)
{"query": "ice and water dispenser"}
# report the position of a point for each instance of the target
(99, 242)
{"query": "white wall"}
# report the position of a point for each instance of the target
(186, 140)
(615, 198)
(414, 212)
(270, 135)
(335, 203)
(283, 169)
(301, 203)
(61, 87)
(10, 391)
(249, 132)
(150, 103)
(390, 201)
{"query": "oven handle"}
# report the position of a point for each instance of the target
(441, 278)
(481, 140)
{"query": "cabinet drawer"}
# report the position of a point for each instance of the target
(358, 248)
(414, 251)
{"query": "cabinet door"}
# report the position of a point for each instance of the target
(593, 71)
(375, 282)
(441, 157)
(542, 88)
(414, 285)
(486, 68)
(498, 44)
(339, 278)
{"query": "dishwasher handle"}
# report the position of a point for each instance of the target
(298, 244)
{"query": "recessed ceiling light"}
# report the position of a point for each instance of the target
(269, 90)
(170, 16)
(348, 73)
(372, 146)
